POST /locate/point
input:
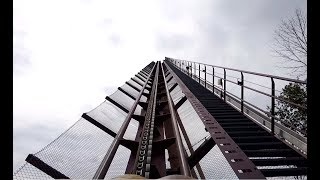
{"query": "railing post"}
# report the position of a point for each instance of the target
(205, 76)
(183, 65)
(212, 79)
(199, 74)
(272, 104)
(195, 70)
(242, 91)
(225, 84)
(191, 68)
(188, 68)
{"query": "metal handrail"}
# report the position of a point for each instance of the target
(266, 112)
(248, 72)
(192, 70)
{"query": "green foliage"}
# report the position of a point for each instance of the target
(291, 115)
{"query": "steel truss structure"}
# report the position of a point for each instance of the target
(164, 121)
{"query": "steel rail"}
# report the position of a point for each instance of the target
(184, 166)
(105, 164)
(249, 72)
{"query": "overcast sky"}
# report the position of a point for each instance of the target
(68, 55)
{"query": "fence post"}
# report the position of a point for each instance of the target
(225, 84)
(199, 74)
(242, 91)
(212, 79)
(272, 105)
(205, 76)
(195, 70)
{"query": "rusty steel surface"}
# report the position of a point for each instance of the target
(240, 163)
(184, 166)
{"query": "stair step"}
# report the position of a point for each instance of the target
(221, 113)
(262, 145)
(242, 128)
(299, 161)
(228, 116)
(284, 172)
(233, 120)
(247, 133)
(218, 109)
(251, 139)
(226, 124)
(270, 153)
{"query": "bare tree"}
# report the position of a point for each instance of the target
(291, 43)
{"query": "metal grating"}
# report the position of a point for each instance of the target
(28, 171)
(192, 123)
(176, 94)
(132, 129)
(119, 163)
(73, 154)
(108, 115)
(122, 99)
(215, 165)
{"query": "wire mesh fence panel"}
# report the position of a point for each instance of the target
(146, 91)
(143, 98)
(131, 130)
(192, 123)
(168, 77)
(139, 80)
(139, 76)
(171, 82)
(122, 99)
(184, 142)
(78, 152)
(108, 115)
(176, 94)
(28, 171)
(130, 90)
(135, 84)
(215, 165)
(119, 163)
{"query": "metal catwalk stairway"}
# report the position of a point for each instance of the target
(272, 156)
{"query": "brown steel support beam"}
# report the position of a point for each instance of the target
(126, 93)
(200, 152)
(133, 79)
(175, 85)
(117, 104)
(184, 167)
(99, 125)
(140, 77)
(44, 167)
(182, 100)
(135, 88)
